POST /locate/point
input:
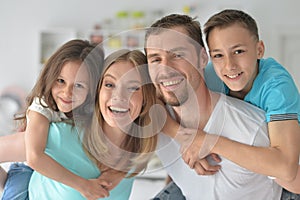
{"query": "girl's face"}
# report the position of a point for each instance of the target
(71, 87)
(120, 96)
(234, 53)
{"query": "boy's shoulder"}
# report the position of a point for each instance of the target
(269, 68)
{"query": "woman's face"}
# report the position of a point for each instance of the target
(121, 97)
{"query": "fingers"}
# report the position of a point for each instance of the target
(204, 168)
(104, 183)
(216, 157)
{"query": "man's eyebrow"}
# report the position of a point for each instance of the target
(152, 55)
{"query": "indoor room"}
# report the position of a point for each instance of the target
(31, 31)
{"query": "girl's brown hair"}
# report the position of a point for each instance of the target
(89, 55)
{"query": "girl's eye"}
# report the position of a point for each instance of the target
(78, 85)
(133, 88)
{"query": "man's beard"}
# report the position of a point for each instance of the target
(173, 100)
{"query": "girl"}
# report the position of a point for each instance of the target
(66, 84)
(116, 137)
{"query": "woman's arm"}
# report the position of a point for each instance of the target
(36, 139)
(12, 148)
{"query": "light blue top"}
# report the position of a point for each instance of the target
(65, 147)
(273, 90)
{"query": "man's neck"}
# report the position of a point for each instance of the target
(196, 111)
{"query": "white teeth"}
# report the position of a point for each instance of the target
(233, 76)
(116, 109)
(169, 83)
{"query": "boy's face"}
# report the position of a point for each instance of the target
(173, 65)
(234, 53)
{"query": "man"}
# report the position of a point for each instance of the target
(176, 56)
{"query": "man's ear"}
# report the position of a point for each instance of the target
(203, 58)
(260, 49)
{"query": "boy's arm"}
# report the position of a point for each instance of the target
(292, 186)
(279, 160)
(36, 139)
(184, 137)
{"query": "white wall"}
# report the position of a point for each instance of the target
(21, 21)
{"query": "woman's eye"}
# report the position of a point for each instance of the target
(60, 80)
(108, 85)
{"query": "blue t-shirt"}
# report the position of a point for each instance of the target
(273, 90)
(65, 147)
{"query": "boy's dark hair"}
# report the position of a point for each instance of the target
(228, 17)
(192, 27)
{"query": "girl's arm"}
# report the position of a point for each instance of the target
(279, 160)
(36, 139)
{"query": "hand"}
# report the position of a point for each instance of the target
(191, 150)
(113, 176)
(95, 188)
(203, 166)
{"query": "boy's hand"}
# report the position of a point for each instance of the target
(190, 149)
(204, 167)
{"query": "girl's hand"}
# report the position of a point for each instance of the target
(112, 176)
(95, 188)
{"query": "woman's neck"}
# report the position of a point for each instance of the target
(114, 134)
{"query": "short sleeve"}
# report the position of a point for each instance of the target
(42, 109)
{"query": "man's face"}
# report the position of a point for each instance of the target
(173, 65)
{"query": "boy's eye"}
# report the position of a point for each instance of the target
(108, 85)
(239, 51)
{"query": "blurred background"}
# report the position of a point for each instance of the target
(30, 31)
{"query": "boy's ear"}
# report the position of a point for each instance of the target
(260, 49)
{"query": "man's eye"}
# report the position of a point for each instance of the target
(154, 60)
(178, 55)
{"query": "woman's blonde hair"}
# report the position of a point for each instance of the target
(139, 145)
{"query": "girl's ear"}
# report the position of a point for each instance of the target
(260, 49)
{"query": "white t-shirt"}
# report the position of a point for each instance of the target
(238, 121)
